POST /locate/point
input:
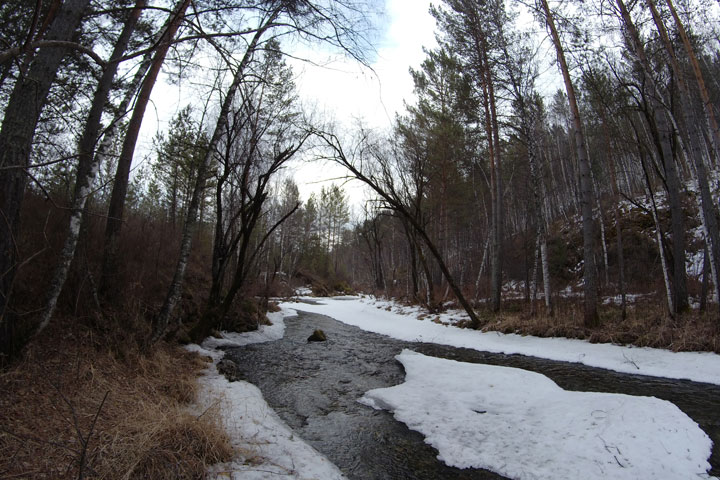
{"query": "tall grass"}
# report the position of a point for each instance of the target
(85, 403)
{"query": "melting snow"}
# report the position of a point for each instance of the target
(522, 425)
(383, 318)
(265, 446)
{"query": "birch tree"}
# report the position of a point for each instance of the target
(88, 163)
(20, 120)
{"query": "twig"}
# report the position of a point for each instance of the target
(36, 439)
(207, 409)
(86, 442)
(630, 361)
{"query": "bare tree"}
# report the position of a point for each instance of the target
(374, 168)
(586, 194)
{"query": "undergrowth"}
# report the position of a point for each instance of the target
(87, 402)
(646, 325)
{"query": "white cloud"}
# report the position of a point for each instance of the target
(343, 90)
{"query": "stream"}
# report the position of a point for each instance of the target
(314, 387)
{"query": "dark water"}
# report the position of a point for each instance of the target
(314, 388)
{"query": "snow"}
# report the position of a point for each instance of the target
(265, 446)
(522, 425)
(383, 317)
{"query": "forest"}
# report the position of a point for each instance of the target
(586, 206)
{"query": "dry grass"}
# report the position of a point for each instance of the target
(646, 325)
(77, 406)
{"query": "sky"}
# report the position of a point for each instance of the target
(347, 90)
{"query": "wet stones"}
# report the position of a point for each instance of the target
(229, 369)
(317, 336)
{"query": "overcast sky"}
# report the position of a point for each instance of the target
(343, 90)
(346, 89)
(337, 88)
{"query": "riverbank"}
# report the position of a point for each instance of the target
(412, 324)
(87, 402)
(263, 445)
(315, 387)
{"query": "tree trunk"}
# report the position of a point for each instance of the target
(616, 216)
(534, 277)
(16, 136)
(697, 72)
(547, 290)
(113, 227)
(705, 279)
(589, 268)
(658, 232)
(497, 258)
(482, 267)
(88, 165)
(108, 137)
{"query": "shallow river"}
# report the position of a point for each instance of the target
(314, 388)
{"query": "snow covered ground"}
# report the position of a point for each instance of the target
(265, 447)
(522, 425)
(389, 319)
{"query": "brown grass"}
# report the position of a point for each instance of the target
(646, 325)
(79, 406)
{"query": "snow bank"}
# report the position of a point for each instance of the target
(696, 366)
(265, 447)
(522, 425)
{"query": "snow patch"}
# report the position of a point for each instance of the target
(522, 425)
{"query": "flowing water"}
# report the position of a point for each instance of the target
(314, 388)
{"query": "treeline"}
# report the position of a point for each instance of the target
(610, 184)
(76, 79)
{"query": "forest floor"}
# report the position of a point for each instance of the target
(85, 402)
(645, 324)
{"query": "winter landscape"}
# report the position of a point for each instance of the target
(362, 239)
